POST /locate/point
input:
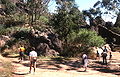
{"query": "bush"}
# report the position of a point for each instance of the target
(43, 19)
(81, 42)
(11, 30)
(2, 27)
(86, 38)
(71, 51)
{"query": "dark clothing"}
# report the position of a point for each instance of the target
(104, 55)
(110, 56)
(104, 60)
(98, 54)
(105, 50)
(33, 61)
(21, 54)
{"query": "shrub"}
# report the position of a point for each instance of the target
(87, 38)
(43, 19)
(81, 42)
(11, 30)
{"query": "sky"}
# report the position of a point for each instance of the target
(82, 5)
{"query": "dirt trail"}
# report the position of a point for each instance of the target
(50, 68)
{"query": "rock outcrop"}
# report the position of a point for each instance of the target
(46, 42)
(3, 40)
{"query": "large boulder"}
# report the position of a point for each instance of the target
(3, 40)
(2, 43)
(46, 43)
(56, 43)
(42, 49)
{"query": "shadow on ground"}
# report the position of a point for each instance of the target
(57, 64)
(72, 64)
(9, 56)
(19, 73)
(99, 66)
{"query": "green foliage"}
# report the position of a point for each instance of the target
(9, 6)
(92, 13)
(81, 42)
(35, 9)
(2, 26)
(12, 20)
(71, 50)
(10, 30)
(2, 19)
(10, 43)
(20, 17)
(19, 36)
(87, 38)
(68, 19)
(4, 31)
(43, 19)
(108, 7)
(108, 4)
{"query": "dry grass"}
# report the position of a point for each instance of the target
(5, 67)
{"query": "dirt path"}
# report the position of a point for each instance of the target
(52, 68)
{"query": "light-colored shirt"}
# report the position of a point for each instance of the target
(33, 54)
(84, 56)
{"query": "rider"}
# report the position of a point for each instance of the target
(104, 55)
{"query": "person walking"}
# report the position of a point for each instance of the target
(97, 56)
(21, 53)
(33, 59)
(110, 56)
(85, 61)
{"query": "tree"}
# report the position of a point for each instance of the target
(34, 8)
(112, 7)
(61, 2)
(10, 8)
(67, 19)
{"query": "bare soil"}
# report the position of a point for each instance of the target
(60, 67)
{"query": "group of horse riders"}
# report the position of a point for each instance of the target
(104, 52)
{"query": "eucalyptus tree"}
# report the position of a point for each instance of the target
(111, 7)
(34, 8)
(68, 19)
